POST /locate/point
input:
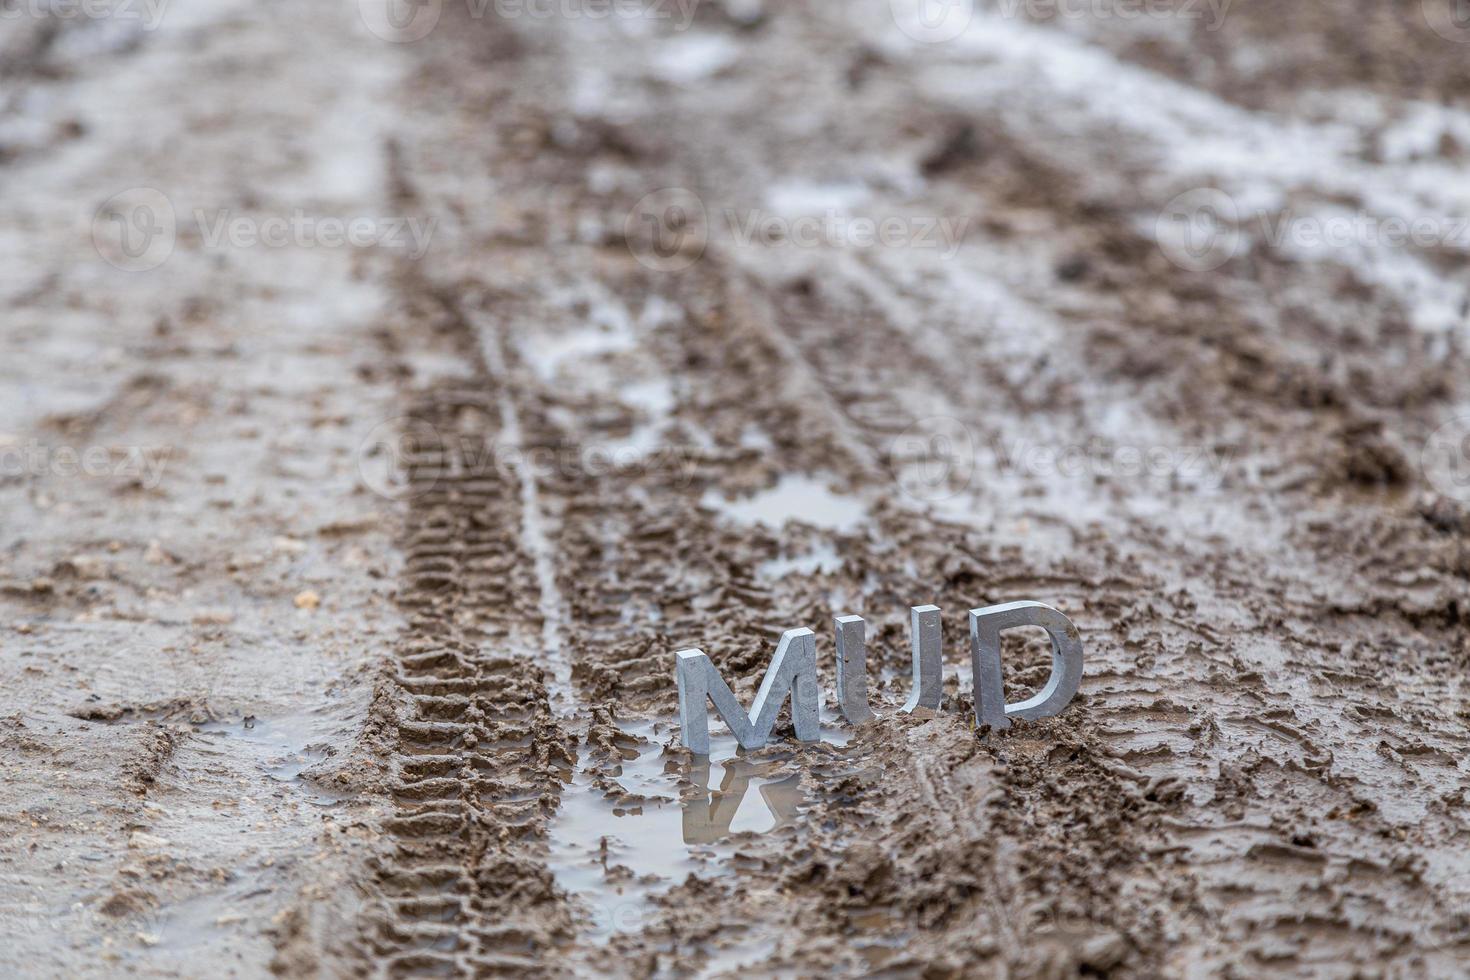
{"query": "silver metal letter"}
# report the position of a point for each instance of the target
(852, 669)
(928, 650)
(986, 625)
(793, 669)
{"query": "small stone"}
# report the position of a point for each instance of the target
(213, 617)
(140, 839)
(1103, 952)
(307, 599)
(87, 567)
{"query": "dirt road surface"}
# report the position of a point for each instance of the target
(390, 391)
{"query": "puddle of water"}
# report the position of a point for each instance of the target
(758, 439)
(582, 358)
(200, 921)
(690, 57)
(282, 747)
(724, 959)
(548, 354)
(654, 400)
(616, 853)
(822, 559)
(793, 498)
(606, 326)
(654, 397)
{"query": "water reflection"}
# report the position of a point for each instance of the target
(710, 816)
(616, 840)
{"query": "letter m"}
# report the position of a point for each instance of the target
(793, 671)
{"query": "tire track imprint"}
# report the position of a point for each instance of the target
(479, 755)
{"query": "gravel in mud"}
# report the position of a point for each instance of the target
(355, 655)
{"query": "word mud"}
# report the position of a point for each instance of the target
(793, 673)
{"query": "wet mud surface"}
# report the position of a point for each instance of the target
(396, 697)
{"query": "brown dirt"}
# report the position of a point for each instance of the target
(1264, 771)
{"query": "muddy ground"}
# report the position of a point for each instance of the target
(390, 391)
